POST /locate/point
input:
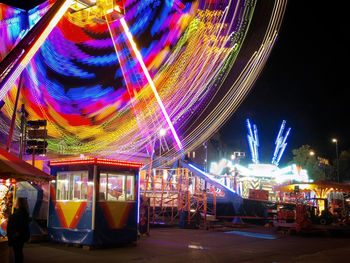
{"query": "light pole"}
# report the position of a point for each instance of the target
(337, 155)
(162, 133)
(206, 156)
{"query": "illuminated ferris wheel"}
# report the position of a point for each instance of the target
(122, 78)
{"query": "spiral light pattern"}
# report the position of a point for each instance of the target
(202, 56)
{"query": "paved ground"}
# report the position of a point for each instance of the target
(252, 244)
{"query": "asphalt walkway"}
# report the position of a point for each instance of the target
(252, 244)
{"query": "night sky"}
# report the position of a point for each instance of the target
(301, 83)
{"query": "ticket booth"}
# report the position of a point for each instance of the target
(94, 201)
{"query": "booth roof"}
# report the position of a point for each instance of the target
(13, 167)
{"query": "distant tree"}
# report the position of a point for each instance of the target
(303, 158)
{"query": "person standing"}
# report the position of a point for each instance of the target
(18, 228)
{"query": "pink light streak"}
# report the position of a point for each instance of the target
(150, 81)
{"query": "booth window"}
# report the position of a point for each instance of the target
(117, 187)
(72, 185)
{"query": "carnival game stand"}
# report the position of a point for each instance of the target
(93, 201)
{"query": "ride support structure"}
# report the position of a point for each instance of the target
(176, 195)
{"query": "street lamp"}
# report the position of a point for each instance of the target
(311, 153)
(336, 152)
(162, 132)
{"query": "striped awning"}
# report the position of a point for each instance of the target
(13, 167)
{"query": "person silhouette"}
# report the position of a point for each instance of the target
(18, 228)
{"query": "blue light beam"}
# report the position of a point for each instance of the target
(253, 141)
(281, 144)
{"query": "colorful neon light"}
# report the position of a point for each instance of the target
(23, 64)
(76, 83)
(280, 143)
(12, 23)
(253, 141)
(269, 171)
(138, 198)
(212, 178)
(151, 83)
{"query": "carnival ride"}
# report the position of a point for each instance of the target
(253, 185)
(316, 206)
(229, 188)
(175, 195)
(108, 75)
(248, 180)
(280, 143)
(187, 195)
(190, 192)
(256, 176)
(229, 201)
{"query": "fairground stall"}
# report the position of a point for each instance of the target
(94, 201)
(320, 205)
(19, 178)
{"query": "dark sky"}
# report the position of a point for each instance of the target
(24, 4)
(303, 82)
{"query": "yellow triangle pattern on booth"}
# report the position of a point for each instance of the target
(70, 210)
(116, 213)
